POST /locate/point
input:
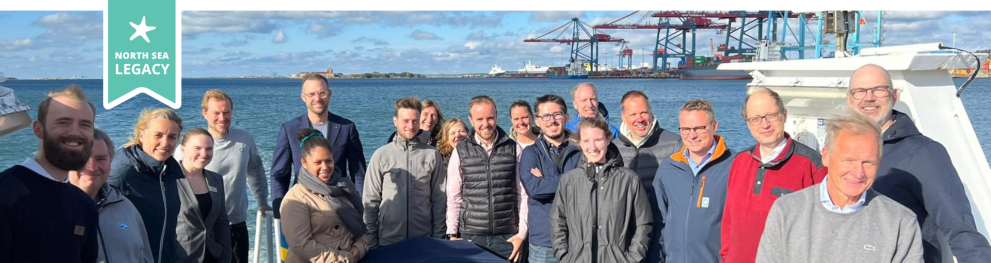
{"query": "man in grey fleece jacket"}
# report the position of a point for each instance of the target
(841, 219)
(404, 193)
(235, 157)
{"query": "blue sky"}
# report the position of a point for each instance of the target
(216, 44)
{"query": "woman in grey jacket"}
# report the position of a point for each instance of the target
(203, 231)
(121, 233)
(601, 212)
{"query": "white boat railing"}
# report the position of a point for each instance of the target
(266, 221)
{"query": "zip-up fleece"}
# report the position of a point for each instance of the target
(541, 190)
(753, 188)
(151, 186)
(404, 193)
(601, 213)
(691, 206)
(122, 235)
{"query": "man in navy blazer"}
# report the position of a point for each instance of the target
(349, 157)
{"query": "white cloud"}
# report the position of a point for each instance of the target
(472, 44)
(423, 35)
(555, 16)
(71, 27)
(16, 44)
(194, 23)
(279, 37)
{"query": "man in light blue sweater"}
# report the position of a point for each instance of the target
(236, 158)
(841, 219)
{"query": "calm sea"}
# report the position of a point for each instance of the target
(261, 105)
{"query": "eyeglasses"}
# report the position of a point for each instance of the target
(878, 92)
(548, 117)
(322, 95)
(698, 130)
(770, 117)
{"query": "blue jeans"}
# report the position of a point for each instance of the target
(539, 254)
(496, 244)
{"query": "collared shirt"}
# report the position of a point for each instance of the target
(455, 181)
(828, 202)
(696, 167)
(34, 166)
(774, 153)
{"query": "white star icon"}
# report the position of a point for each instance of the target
(141, 30)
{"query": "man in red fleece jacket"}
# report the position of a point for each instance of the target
(776, 166)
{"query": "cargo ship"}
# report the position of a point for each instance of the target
(573, 70)
(701, 67)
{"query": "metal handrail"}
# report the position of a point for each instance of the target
(266, 220)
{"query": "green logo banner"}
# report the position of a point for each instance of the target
(141, 52)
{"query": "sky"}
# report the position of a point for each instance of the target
(242, 43)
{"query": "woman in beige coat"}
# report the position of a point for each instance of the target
(322, 213)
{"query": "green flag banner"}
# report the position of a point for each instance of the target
(141, 52)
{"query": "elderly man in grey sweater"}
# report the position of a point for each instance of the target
(404, 193)
(841, 219)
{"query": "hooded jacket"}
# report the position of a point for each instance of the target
(541, 190)
(645, 160)
(404, 193)
(122, 236)
(151, 186)
(916, 172)
(691, 207)
(573, 124)
(601, 213)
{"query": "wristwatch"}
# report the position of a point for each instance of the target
(449, 236)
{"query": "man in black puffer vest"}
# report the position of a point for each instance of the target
(484, 194)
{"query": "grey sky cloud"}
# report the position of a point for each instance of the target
(555, 16)
(371, 40)
(237, 41)
(323, 29)
(423, 35)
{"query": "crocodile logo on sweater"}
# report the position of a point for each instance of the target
(869, 248)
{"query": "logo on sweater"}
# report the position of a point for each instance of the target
(869, 248)
(80, 230)
(122, 226)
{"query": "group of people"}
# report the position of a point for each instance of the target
(556, 187)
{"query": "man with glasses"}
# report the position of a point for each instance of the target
(644, 145)
(916, 171)
(776, 166)
(541, 167)
(690, 187)
(349, 157)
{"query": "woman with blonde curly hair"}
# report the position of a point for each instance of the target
(452, 132)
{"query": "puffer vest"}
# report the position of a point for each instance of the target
(490, 205)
